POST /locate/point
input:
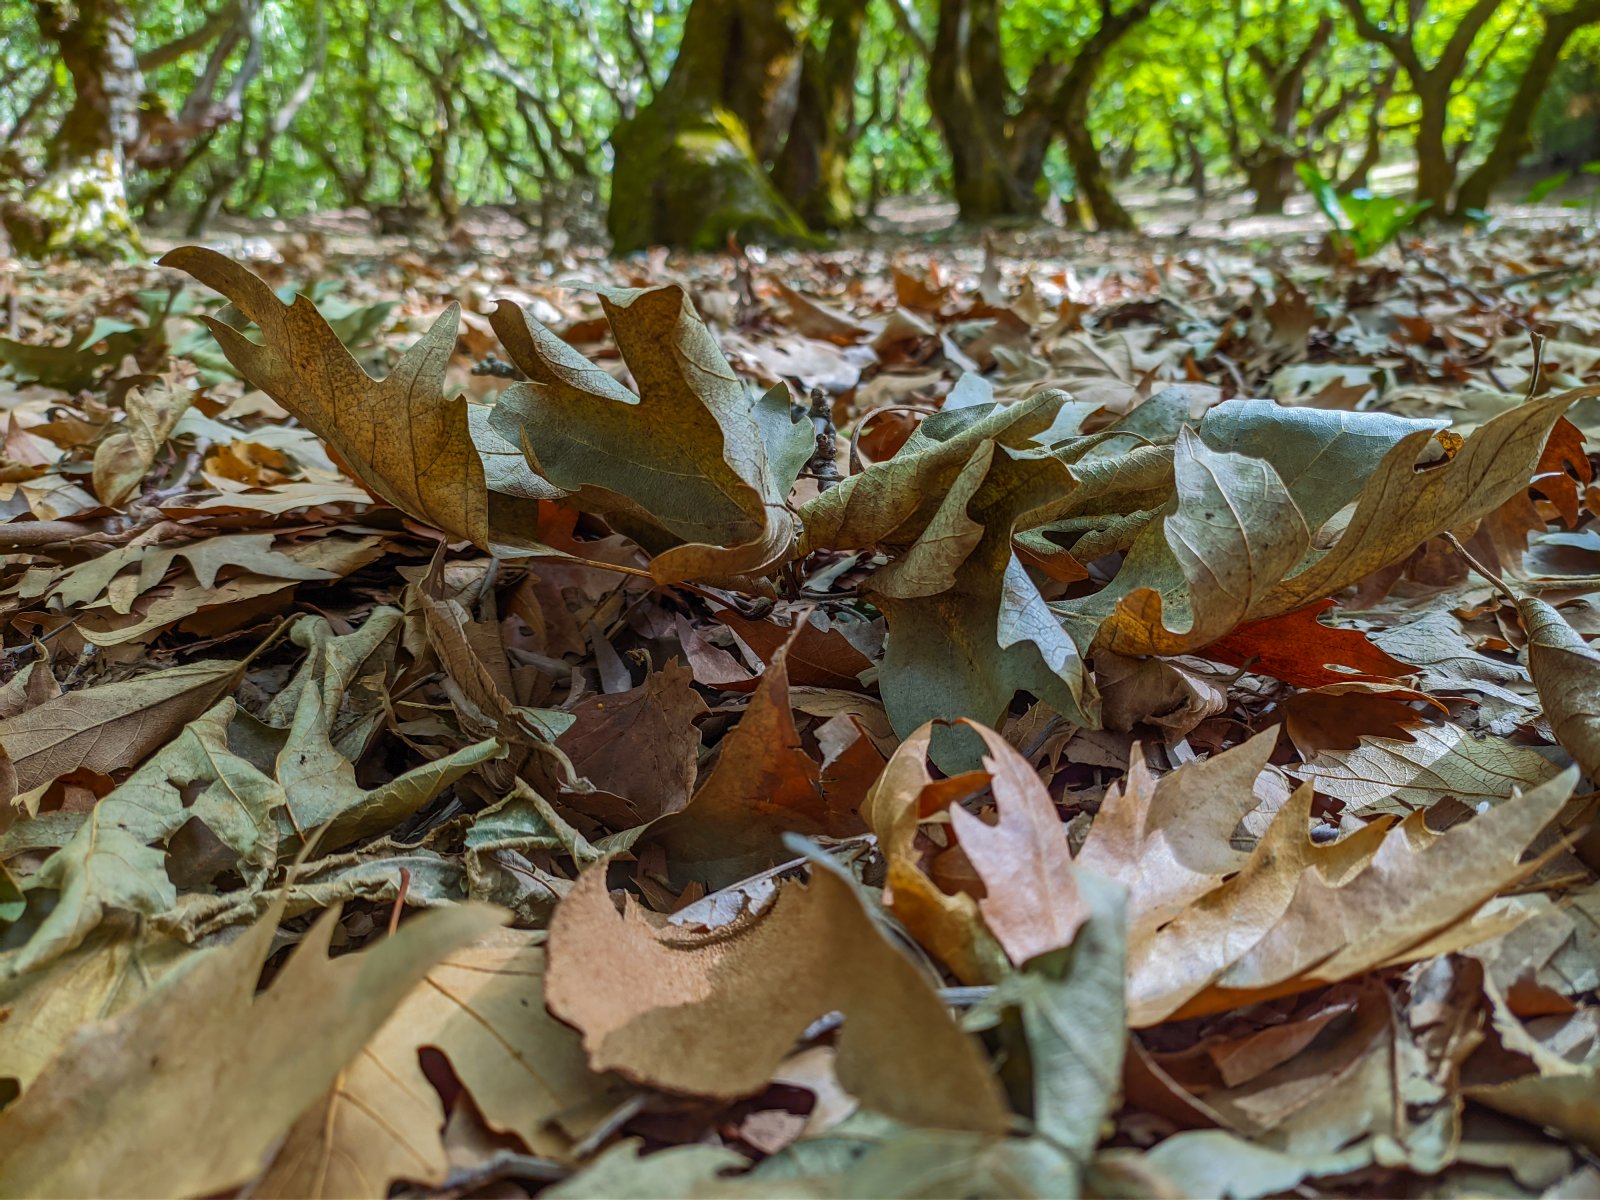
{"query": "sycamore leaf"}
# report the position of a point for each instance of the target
(382, 1121)
(690, 466)
(117, 860)
(1298, 648)
(1171, 965)
(111, 727)
(763, 786)
(109, 972)
(1415, 885)
(1386, 775)
(129, 451)
(1400, 507)
(656, 722)
(402, 436)
(946, 923)
(1567, 673)
(714, 1012)
(1167, 840)
(1242, 542)
(205, 1047)
(1031, 901)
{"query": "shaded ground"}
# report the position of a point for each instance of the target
(1358, 943)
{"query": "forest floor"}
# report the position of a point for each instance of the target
(1272, 871)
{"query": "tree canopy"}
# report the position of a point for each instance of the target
(692, 119)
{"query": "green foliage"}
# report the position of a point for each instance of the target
(515, 102)
(1362, 224)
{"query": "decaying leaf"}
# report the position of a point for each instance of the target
(713, 1012)
(114, 726)
(403, 436)
(690, 466)
(189, 1048)
(381, 1122)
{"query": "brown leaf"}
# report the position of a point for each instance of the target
(1567, 673)
(1031, 901)
(763, 785)
(1337, 715)
(715, 1012)
(402, 436)
(112, 727)
(169, 1072)
(1167, 839)
(946, 923)
(639, 747)
(816, 657)
(382, 1120)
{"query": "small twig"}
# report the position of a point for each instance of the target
(823, 465)
(1498, 583)
(399, 900)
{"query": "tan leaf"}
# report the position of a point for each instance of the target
(172, 1071)
(382, 1121)
(1167, 839)
(114, 726)
(1416, 885)
(947, 924)
(1567, 673)
(1031, 900)
(129, 451)
(402, 436)
(715, 1012)
(1385, 775)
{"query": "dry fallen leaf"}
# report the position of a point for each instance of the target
(714, 1012)
(142, 1078)
(1030, 901)
(480, 1006)
(402, 436)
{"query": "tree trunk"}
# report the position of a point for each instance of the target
(80, 208)
(1511, 141)
(690, 166)
(970, 98)
(1271, 179)
(1436, 171)
(810, 172)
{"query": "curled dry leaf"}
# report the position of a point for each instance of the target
(1567, 673)
(402, 436)
(1031, 901)
(382, 1121)
(1167, 840)
(192, 1046)
(1415, 885)
(129, 451)
(691, 466)
(714, 1012)
(763, 786)
(946, 923)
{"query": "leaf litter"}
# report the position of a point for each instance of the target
(836, 724)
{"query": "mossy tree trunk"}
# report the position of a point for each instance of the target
(810, 171)
(998, 139)
(690, 167)
(80, 207)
